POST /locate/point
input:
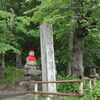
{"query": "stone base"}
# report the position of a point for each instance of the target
(27, 82)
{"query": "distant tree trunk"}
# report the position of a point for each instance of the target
(68, 70)
(70, 46)
(18, 60)
(78, 50)
(99, 71)
(2, 65)
(11, 24)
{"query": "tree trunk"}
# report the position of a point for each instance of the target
(18, 60)
(78, 50)
(68, 70)
(78, 41)
(2, 65)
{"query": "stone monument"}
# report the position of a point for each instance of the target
(47, 56)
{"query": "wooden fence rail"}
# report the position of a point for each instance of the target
(92, 82)
(79, 92)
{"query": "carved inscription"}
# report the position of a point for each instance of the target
(47, 51)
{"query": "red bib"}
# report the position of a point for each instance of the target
(31, 58)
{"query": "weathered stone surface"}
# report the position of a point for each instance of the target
(32, 73)
(26, 78)
(47, 57)
(32, 70)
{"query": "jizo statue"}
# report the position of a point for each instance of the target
(31, 68)
(31, 60)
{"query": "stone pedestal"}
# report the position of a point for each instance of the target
(32, 73)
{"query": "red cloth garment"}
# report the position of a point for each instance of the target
(31, 58)
(31, 51)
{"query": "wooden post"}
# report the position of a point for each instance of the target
(47, 55)
(48, 98)
(90, 85)
(36, 90)
(81, 90)
(36, 87)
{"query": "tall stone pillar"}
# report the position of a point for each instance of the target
(47, 57)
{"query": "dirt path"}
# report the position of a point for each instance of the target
(15, 95)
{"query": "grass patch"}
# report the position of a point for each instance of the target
(11, 75)
(87, 96)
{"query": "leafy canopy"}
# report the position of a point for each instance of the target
(63, 15)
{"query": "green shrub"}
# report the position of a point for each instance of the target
(67, 87)
(86, 84)
(96, 91)
(98, 78)
(11, 75)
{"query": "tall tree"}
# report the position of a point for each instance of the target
(6, 27)
(59, 12)
(18, 32)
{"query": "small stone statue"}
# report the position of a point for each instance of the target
(32, 72)
(31, 68)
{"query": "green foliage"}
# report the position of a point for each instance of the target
(6, 40)
(5, 47)
(4, 21)
(5, 14)
(12, 75)
(63, 15)
(13, 40)
(88, 96)
(92, 48)
(98, 78)
(96, 91)
(86, 84)
(21, 26)
(67, 87)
